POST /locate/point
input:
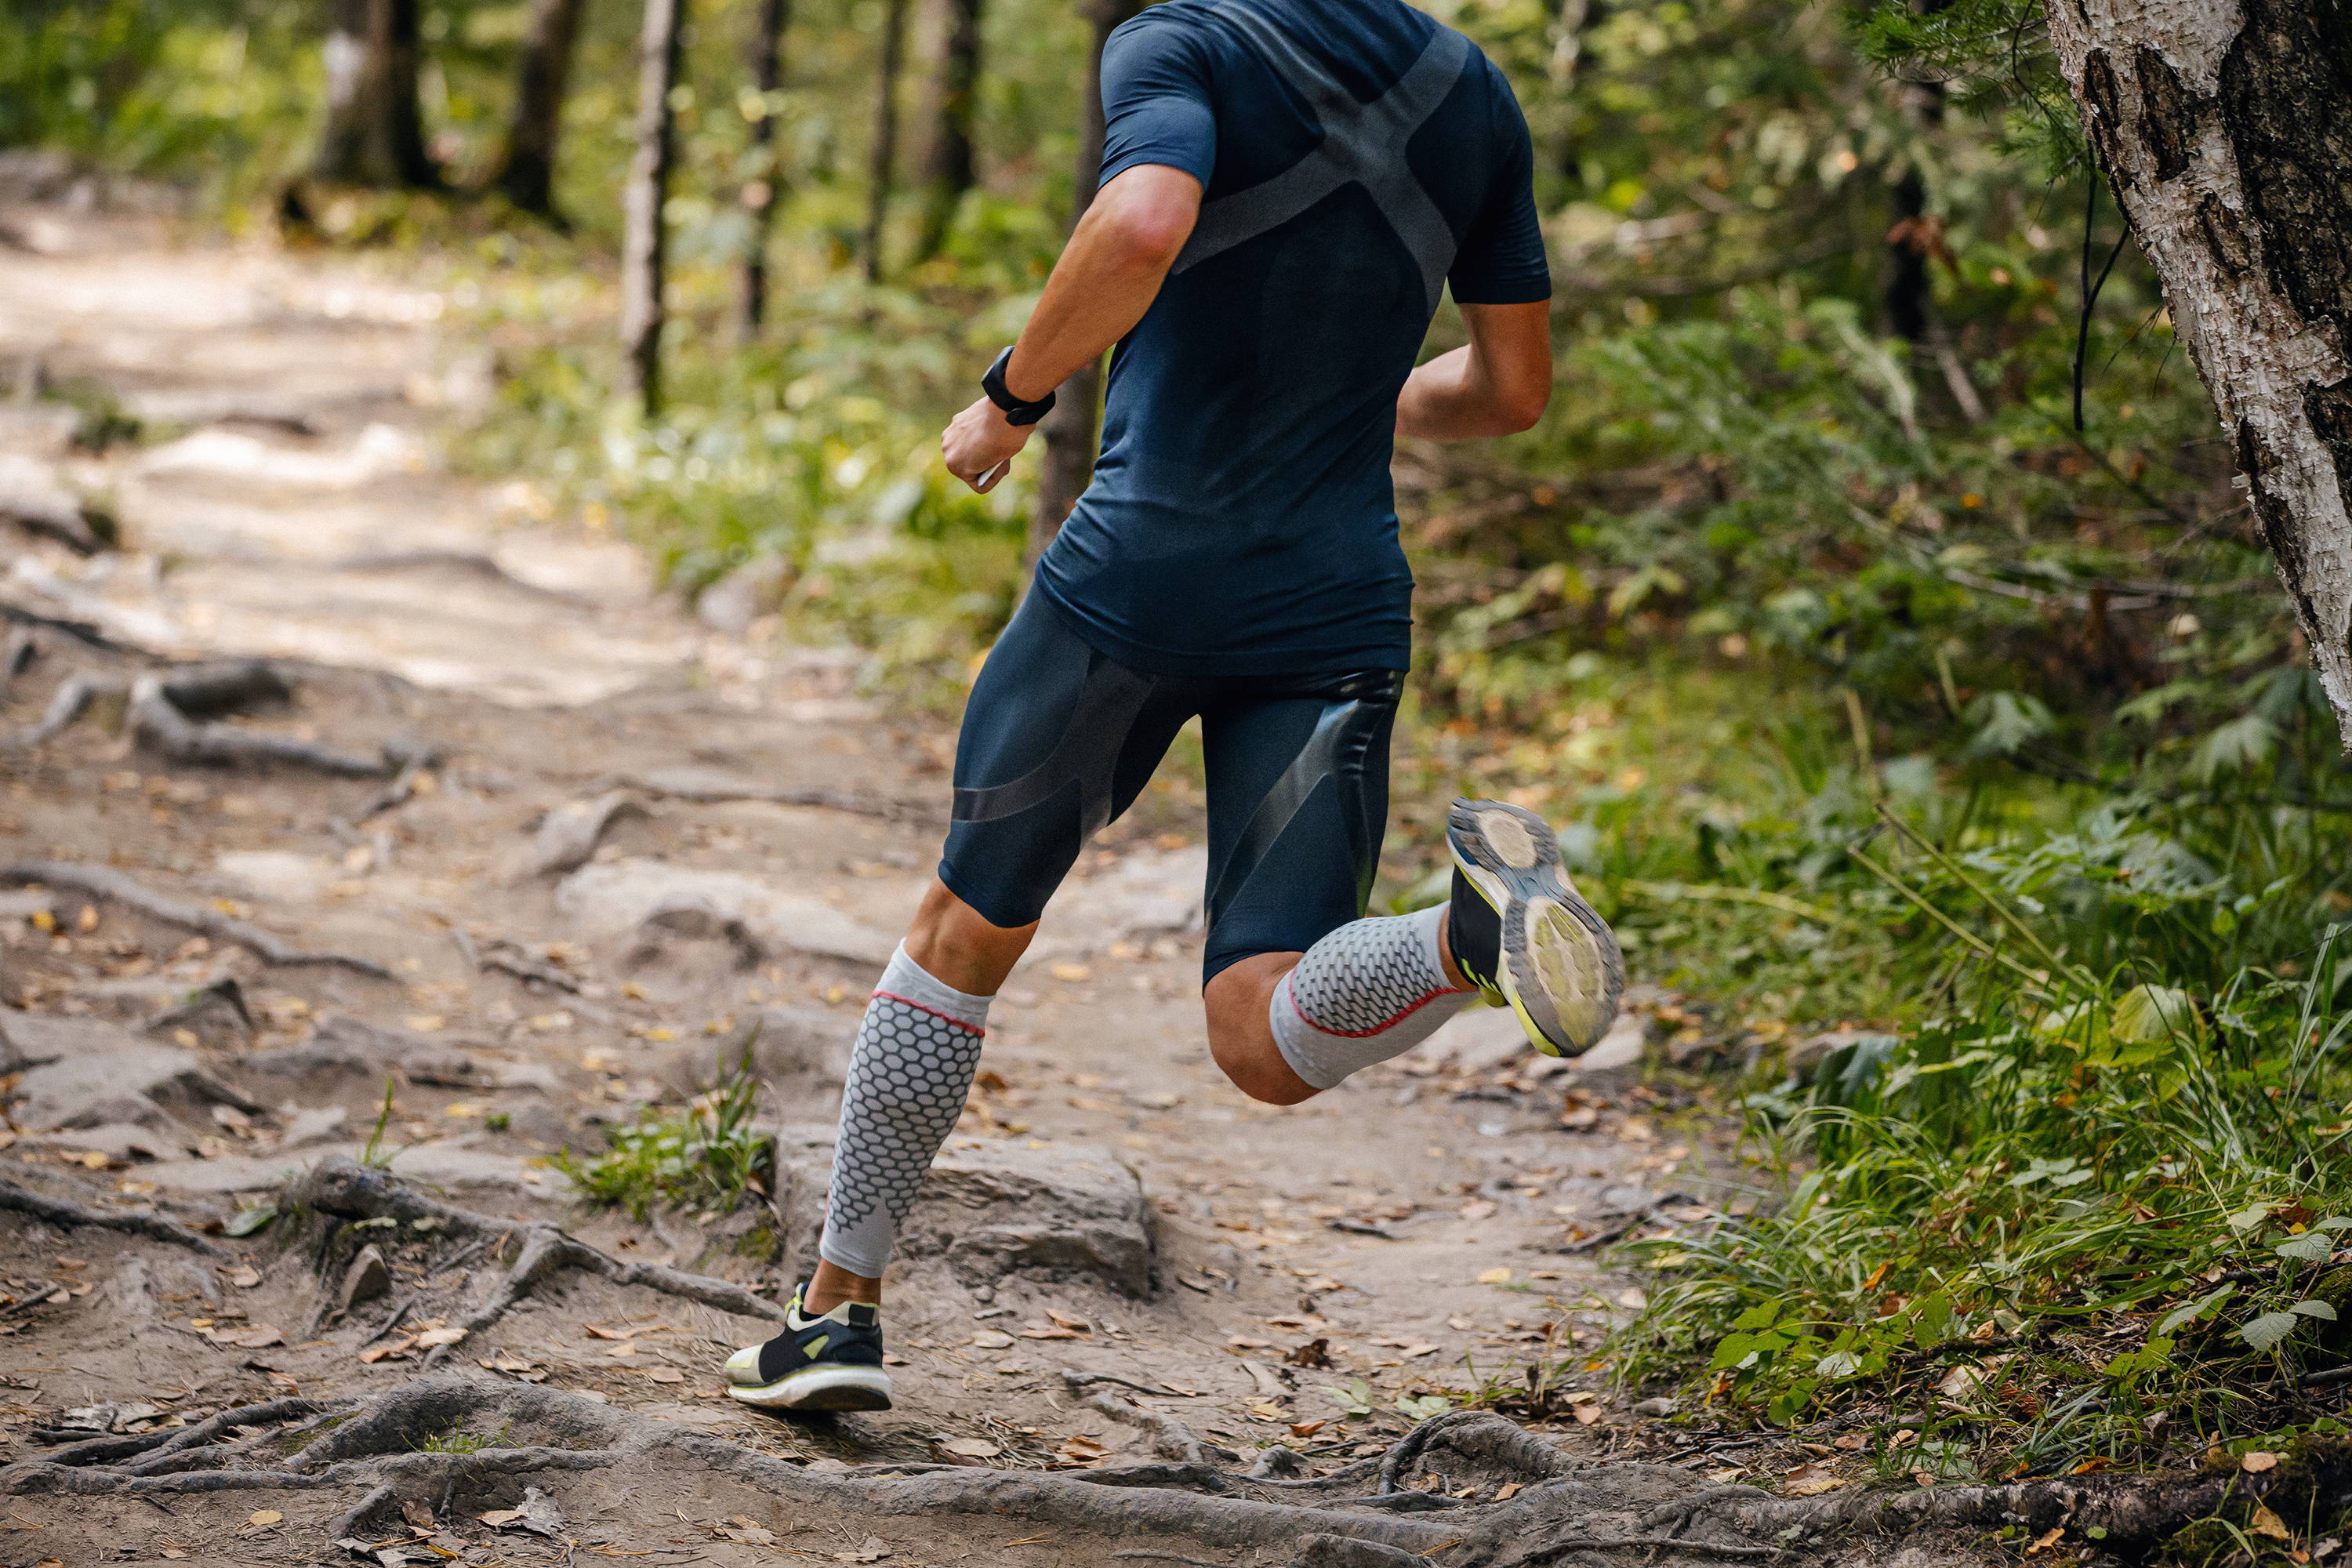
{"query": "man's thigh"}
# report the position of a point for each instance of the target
(1056, 740)
(1297, 780)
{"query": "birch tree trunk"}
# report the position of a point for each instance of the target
(526, 168)
(644, 236)
(374, 132)
(1069, 429)
(2226, 129)
(883, 168)
(762, 192)
(948, 168)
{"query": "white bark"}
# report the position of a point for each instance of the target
(644, 235)
(2222, 126)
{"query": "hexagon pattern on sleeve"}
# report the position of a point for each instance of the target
(917, 1050)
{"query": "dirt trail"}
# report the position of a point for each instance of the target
(589, 865)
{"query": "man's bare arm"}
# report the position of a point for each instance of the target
(1105, 279)
(1497, 385)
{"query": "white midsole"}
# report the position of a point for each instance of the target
(800, 1385)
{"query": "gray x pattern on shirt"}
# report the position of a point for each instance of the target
(1363, 143)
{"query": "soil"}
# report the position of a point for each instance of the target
(594, 847)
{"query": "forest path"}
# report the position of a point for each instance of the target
(609, 844)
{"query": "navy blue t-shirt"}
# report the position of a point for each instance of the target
(1356, 158)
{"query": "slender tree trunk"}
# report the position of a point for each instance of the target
(948, 168)
(762, 192)
(2226, 127)
(1571, 20)
(645, 236)
(1069, 429)
(374, 132)
(526, 168)
(882, 169)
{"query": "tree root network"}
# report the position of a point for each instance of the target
(391, 1448)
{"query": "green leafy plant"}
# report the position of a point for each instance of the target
(707, 1155)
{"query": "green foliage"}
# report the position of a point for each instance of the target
(706, 1156)
(457, 1440)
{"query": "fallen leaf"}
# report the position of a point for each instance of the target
(245, 1277)
(598, 1331)
(970, 1449)
(500, 1517)
(1070, 972)
(1479, 1208)
(992, 1339)
(387, 1349)
(1508, 1490)
(2266, 1523)
(1048, 1331)
(1810, 1481)
(1586, 1414)
(264, 1516)
(2045, 1541)
(1307, 1428)
(1067, 1321)
(1412, 1353)
(1633, 1296)
(448, 1336)
(623, 1350)
(257, 1337)
(1495, 1276)
(2257, 1462)
(665, 1374)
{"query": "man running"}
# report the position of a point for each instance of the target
(1287, 186)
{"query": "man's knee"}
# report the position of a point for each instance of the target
(1241, 1042)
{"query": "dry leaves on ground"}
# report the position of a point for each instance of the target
(1811, 1480)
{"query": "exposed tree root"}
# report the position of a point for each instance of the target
(471, 563)
(101, 882)
(379, 1446)
(704, 787)
(68, 1214)
(168, 714)
(349, 1190)
(83, 632)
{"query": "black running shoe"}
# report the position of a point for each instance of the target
(833, 1361)
(1519, 932)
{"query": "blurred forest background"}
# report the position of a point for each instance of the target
(1874, 608)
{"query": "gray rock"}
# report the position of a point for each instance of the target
(755, 588)
(367, 1278)
(314, 1124)
(1067, 1211)
(100, 1073)
(568, 835)
(625, 897)
(1621, 1048)
(230, 1174)
(1658, 1408)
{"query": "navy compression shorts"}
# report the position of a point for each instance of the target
(1059, 739)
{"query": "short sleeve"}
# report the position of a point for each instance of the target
(1501, 261)
(1156, 105)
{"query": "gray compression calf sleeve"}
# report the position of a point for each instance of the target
(1371, 990)
(917, 1050)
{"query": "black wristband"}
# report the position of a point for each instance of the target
(1016, 411)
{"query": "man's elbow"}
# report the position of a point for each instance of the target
(1521, 407)
(1148, 235)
